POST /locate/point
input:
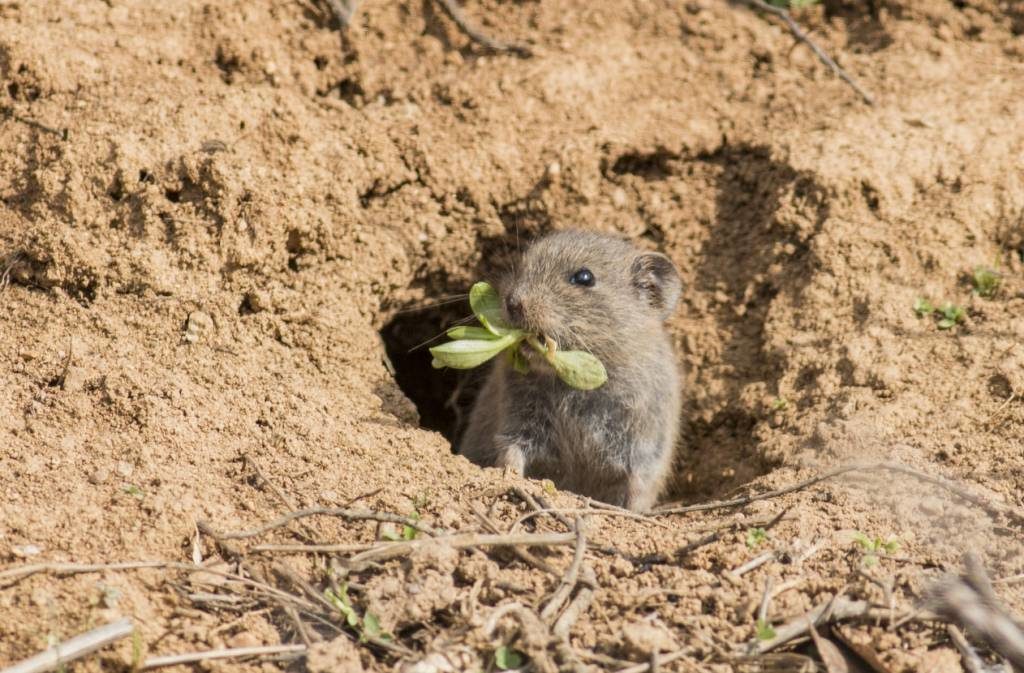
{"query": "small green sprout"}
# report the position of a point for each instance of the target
(986, 281)
(138, 650)
(951, 315)
(763, 630)
(134, 491)
(874, 546)
(780, 404)
(368, 626)
(507, 659)
(755, 536)
(923, 307)
(472, 346)
(371, 626)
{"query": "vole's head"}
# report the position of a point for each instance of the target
(589, 291)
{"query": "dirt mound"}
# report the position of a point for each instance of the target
(223, 233)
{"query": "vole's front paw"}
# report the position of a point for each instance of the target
(512, 461)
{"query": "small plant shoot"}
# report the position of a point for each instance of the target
(755, 536)
(986, 281)
(368, 626)
(873, 547)
(473, 346)
(949, 314)
(763, 630)
(507, 659)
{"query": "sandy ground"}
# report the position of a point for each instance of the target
(222, 226)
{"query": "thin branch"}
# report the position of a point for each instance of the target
(311, 548)
(351, 514)
(392, 550)
(538, 504)
(233, 653)
(75, 648)
(595, 512)
(568, 581)
(523, 554)
(16, 574)
(834, 610)
(800, 35)
(579, 604)
(962, 493)
(455, 14)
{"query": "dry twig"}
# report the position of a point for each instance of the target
(345, 10)
(234, 653)
(81, 645)
(835, 610)
(568, 581)
(392, 550)
(959, 491)
(351, 514)
(800, 35)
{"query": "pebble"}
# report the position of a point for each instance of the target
(25, 550)
(197, 325)
(99, 476)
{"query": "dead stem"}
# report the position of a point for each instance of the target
(800, 35)
(568, 581)
(351, 514)
(390, 550)
(80, 646)
(960, 492)
(234, 653)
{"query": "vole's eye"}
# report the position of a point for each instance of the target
(582, 277)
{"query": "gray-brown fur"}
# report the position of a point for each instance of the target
(614, 443)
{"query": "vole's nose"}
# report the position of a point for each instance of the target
(514, 308)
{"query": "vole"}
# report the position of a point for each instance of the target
(596, 293)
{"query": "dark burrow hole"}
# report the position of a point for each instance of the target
(444, 397)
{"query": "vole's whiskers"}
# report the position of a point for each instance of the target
(450, 299)
(582, 341)
(461, 321)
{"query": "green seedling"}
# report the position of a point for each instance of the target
(408, 532)
(763, 630)
(138, 650)
(473, 346)
(923, 307)
(780, 404)
(874, 546)
(986, 281)
(134, 491)
(367, 626)
(507, 659)
(755, 536)
(950, 315)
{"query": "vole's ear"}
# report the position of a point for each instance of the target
(656, 278)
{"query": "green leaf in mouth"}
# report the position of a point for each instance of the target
(469, 353)
(486, 304)
(578, 369)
